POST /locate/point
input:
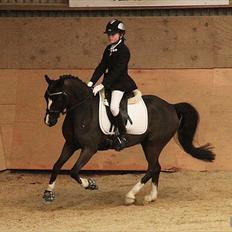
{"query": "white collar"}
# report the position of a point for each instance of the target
(113, 46)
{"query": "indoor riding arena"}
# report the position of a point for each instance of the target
(181, 51)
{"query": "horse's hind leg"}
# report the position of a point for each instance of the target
(152, 196)
(152, 154)
(67, 152)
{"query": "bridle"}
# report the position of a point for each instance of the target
(64, 111)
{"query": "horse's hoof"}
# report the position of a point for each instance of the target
(92, 185)
(129, 201)
(148, 199)
(48, 197)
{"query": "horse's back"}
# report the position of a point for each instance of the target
(161, 114)
(155, 100)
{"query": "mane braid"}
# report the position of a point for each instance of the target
(69, 76)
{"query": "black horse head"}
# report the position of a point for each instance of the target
(56, 99)
(62, 95)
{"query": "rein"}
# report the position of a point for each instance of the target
(75, 106)
(64, 111)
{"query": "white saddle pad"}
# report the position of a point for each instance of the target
(137, 112)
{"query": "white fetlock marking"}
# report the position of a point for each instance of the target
(154, 191)
(129, 201)
(134, 190)
(51, 186)
(153, 194)
(84, 182)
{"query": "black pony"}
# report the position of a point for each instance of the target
(69, 95)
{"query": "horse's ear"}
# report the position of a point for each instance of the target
(48, 79)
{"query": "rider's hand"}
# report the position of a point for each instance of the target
(90, 84)
(97, 88)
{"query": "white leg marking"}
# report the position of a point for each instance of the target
(84, 182)
(153, 194)
(51, 186)
(130, 196)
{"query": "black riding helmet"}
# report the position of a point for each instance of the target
(115, 26)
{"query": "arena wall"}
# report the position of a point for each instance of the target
(78, 42)
(29, 144)
(177, 58)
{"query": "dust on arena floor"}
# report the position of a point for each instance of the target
(187, 201)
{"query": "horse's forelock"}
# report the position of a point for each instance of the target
(55, 85)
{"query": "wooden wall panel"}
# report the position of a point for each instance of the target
(78, 42)
(29, 144)
(222, 42)
(8, 86)
(2, 154)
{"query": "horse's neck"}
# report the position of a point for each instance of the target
(79, 90)
(80, 94)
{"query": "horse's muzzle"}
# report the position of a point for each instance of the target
(50, 121)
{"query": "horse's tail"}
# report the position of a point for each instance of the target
(189, 119)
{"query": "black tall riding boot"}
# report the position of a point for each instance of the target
(121, 139)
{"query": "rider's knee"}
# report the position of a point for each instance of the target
(114, 110)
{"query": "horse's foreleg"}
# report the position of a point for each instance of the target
(84, 157)
(67, 152)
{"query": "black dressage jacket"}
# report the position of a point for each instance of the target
(114, 66)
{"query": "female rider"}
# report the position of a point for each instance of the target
(114, 66)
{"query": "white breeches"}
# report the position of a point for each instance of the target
(116, 98)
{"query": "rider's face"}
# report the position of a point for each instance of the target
(114, 38)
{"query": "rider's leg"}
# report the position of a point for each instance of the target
(116, 98)
(118, 120)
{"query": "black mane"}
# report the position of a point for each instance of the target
(71, 77)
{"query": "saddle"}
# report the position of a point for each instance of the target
(132, 108)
